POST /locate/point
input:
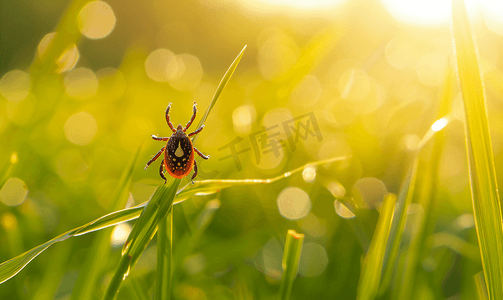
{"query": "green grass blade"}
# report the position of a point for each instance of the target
(290, 263)
(428, 177)
(164, 258)
(211, 186)
(371, 271)
(84, 287)
(143, 231)
(484, 189)
(402, 203)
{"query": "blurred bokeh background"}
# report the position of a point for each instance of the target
(319, 79)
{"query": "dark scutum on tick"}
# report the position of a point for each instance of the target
(179, 151)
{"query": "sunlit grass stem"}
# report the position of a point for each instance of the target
(483, 184)
(290, 263)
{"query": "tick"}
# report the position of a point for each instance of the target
(179, 151)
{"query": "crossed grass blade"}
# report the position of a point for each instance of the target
(10, 268)
(483, 185)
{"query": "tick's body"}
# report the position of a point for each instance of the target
(179, 151)
(178, 156)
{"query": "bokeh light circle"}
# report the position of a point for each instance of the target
(313, 260)
(81, 128)
(15, 85)
(81, 83)
(13, 192)
(369, 192)
(96, 20)
(188, 72)
(243, 117)
(294, 203)
(158, 63)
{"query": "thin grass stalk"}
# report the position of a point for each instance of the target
(290, 263)
(371, 271)
(164, 258)
(428, 173)
(483, 184)
(400, 214)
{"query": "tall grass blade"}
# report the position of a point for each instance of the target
(428, 177)
(484, 188)
(157, 210)
(371, 271)
(165, 238)
(403, 201)
(290, 263)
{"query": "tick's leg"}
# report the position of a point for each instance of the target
(191, 119)
(160, 170)
(155, 157)
(200, 154)
(158, 138)
(195, 172)
(167, 118)
(196, 132)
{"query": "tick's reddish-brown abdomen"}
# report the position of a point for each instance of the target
(179, 155)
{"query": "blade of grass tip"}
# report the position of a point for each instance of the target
(483, 184)
(371, 271)
(156, 210)
(220, 88)
(290, 263)
(99, 250)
